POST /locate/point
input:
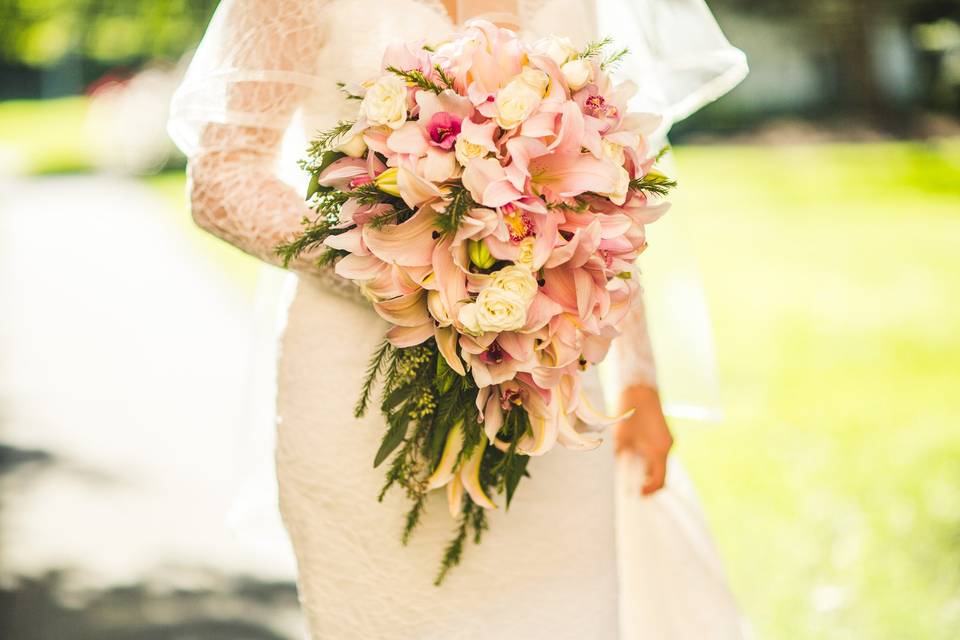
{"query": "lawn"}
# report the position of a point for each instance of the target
(834, 486)
(38, 137)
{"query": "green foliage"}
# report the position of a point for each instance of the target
(325, 140)
(460, 202)
(42, 32)
(374, 370)
(614, 59)
(595, 49)
(653, 183)
(445, 78)
(416, 78)
(422, 399)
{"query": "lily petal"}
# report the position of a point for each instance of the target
(448, 459)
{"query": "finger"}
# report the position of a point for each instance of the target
(656, 476)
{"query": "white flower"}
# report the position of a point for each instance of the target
(516, 101)
(354, 147)
(613, 152)
(386, 102)
(468, 319)
(557, 48)
(467, 151)
(495, 310)
(619, 194)
(577, 73)
(525, 258)
(515, 279)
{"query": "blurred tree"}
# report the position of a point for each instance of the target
(42, 33)
(845, 32)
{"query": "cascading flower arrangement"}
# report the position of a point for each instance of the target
(490, 201)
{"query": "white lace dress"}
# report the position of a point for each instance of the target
(547, 569)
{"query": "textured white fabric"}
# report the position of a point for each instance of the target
(263, 76)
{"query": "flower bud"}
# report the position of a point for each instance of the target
(577, 73)
(387, 182)
(479, 254)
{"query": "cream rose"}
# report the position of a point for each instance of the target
(515, 279)
(619, 194)
(467, 151)
(577, 73)
(354, 147)
(516, 101)
(525, 258)
(386, 102)
(558, 49)
(495, 310)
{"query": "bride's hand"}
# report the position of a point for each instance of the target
(645, 434)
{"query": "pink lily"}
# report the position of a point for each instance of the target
(564, 176)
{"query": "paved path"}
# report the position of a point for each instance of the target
(124, 358)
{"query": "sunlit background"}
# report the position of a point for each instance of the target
(824, 200)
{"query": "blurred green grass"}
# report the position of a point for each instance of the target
(834, 486)
(44, 136)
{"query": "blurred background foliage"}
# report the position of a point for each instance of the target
(885, 63)
(822, 197)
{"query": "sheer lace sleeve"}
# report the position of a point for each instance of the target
(253, 70)
(634, 359)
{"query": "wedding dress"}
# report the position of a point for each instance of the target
(577, 557)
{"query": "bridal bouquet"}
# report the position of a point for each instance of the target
(489, 200)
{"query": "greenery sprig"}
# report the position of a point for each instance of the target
(327, 140)
(597, 48)
(445, 78)
(460, 204)
(653, 183)
(421, 400)
(416, 78)
(594, 49)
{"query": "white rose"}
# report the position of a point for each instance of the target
(526, 252)
(577, 73)
(516, 101)
(386, 102)
(468, 319)
(619, 194)
(557, 48)
(354, 147)
(613, 152)
(515, 279)
(535, 78)
(499, 310)
(467, 151)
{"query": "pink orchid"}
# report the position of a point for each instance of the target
(443, 129)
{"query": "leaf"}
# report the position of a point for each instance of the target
(373, 372)
(314, 185)
(516, 468)
(393, 438)
(395, 398)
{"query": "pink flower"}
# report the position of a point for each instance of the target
(443, 129)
